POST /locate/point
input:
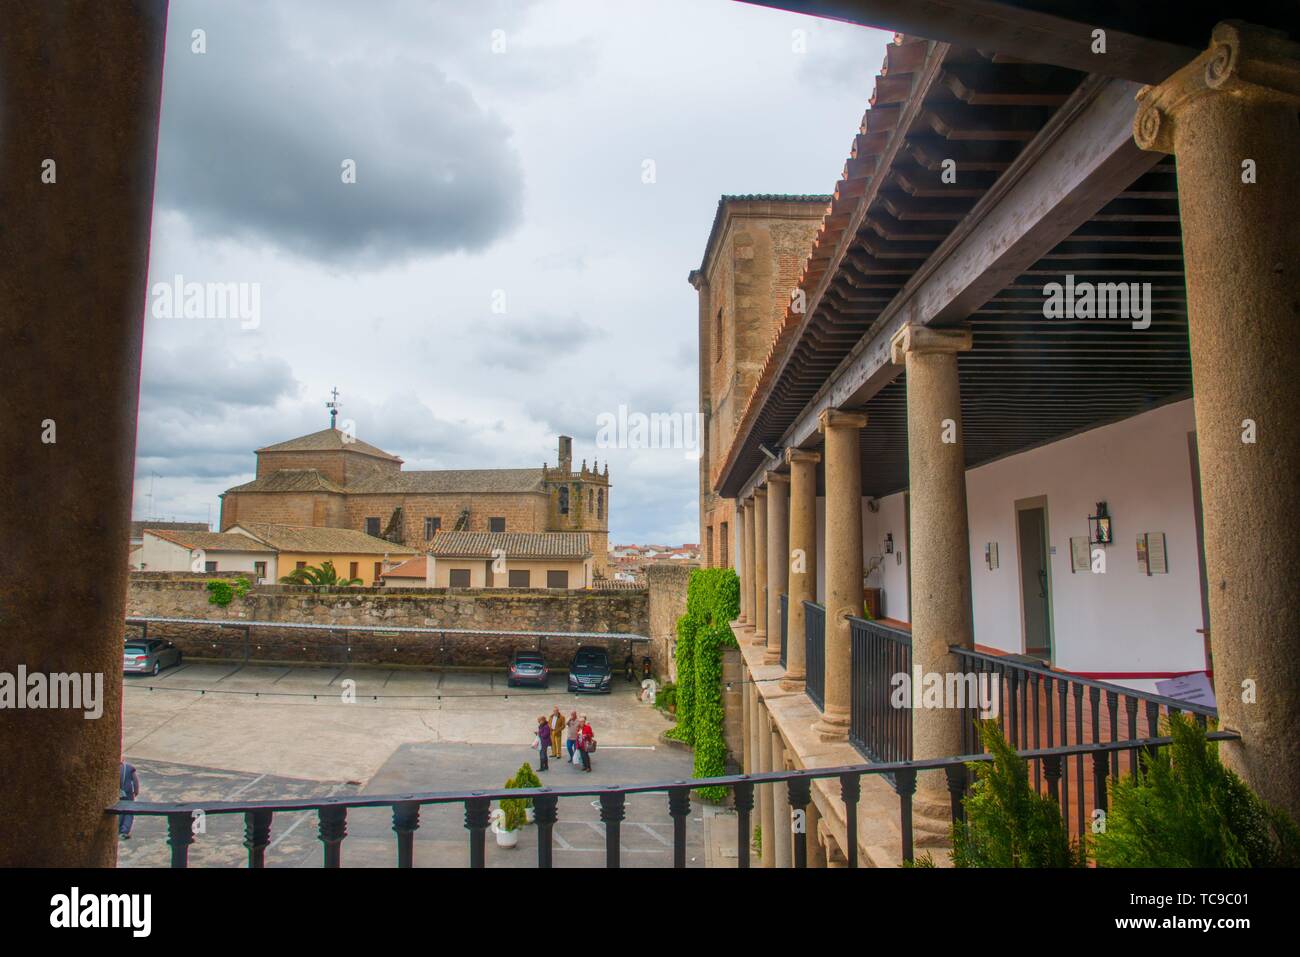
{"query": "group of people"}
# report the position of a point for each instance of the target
(574, 731)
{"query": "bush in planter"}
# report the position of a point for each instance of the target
(666, 698)
(1185, 809)
(516, 809)
(525, 777)
(1008, 823)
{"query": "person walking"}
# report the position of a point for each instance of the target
(585, 739)
(557, 729)
(543, 742)
(129, 787)
(571, 734)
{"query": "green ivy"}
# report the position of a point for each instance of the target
(222, 591)
(712, 603)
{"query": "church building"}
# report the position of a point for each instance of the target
(333, 479)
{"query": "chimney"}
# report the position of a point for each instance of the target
(566, 453)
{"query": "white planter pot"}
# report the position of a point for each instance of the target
(530, 815)
(507, 838)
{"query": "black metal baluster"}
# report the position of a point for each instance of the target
(1131, 708)
(1153, 726)
(1062, 691)
(180, 835)
(1099, 767)
(332, 827)
(744, 800)
(679, 806)
(1052, 768)
(850, 792)
(477, 814)
(1112, 714)
(406, 820)
(612, 805)
(1013, 685)
(905, 785)
(1080, 786)
(1038, 764)
(956, 774)
(799, 790)
(545, 812)
(257, 837)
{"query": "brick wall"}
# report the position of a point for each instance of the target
(184, 596)
(321, 509)
(523, 511)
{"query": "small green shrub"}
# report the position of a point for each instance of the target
(516, 808)
(1185, 809)
(1008, 823)
(222, 591)
(758, 839)
(666, 697)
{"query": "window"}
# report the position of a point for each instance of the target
(259, 570)
(459, 578)
(557, 579)
(379, 570)
(353, 567)
(519, 578)
(372, 527)
(600, 503)
(717, 337)
(432, 525)
(300, 565)
(564, 500)
(722, 542)
(209, 566)
(496, 524)
(708, 547)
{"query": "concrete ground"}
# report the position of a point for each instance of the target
(209, 732)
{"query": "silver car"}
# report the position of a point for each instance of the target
(148, 656)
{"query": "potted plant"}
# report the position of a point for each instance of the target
(526, 777)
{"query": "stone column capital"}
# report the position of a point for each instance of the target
(760, 491)
(1243, 60)
(922, 340)
(802, 455)
(840, 419)
(747, 502)
(778, 478)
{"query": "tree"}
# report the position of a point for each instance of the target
(318, 576)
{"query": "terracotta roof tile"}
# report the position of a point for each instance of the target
(329, 440)
(568, 545)
(210, 541)
(314, 540)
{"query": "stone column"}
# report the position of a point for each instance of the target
(843, 560)
(939, 539)
(741, 569)
(760, 565)
(764, 765)
(1230, 116)
(746, 716)
(80, 87)
(778, 559)
(748, 584)
(783, 843)
(803, 558)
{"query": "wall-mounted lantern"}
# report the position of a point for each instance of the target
(889, 543)
(1099, 530)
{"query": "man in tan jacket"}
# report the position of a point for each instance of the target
(557, 726)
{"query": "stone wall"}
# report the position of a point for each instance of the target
(185, 596)
(667, 602)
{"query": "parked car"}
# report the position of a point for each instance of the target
(528, 668)
(590, 670)
(148, 656)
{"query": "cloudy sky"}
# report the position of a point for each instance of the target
(501, 271)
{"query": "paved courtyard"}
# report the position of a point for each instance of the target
(207, 732)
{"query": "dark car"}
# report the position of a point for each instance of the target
(528, 668)
(590, 671)
(148, 656)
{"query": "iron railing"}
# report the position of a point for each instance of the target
(880, 731)
(814, 631)
(332, 813)
(1040, 708)
(785, 625)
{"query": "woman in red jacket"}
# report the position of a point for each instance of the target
(585, 739)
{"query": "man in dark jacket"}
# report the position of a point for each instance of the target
(129, 786)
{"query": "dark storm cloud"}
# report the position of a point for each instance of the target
(256, 129)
